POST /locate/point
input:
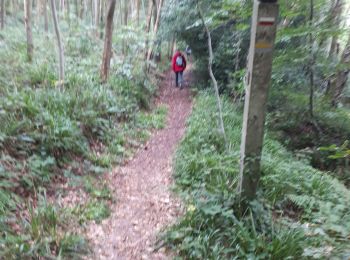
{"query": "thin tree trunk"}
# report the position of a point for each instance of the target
(38, 11)
(46, 20)
(2, 14)
(59, 43)
(126, 12)
(62, 7)
(149, 17)
(155, 30)
(102, 20)
(107, 51)
(335, 21)
(83, 9)
(312, 62)
(15, 7)
(28, 26)
(155, 12)
(76, 8)
(210, 64)
(138, 12)
(92, 9)
(124, 16)
(68, 11)
(97, 17)
(148, 26)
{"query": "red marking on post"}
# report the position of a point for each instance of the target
(266, 23)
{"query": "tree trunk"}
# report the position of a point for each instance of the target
(83, 9)
(148, 25)
(38, 11)
(28, 26)
(210, 64)
(102, 20)
(138, 12)
(155, 12)
(68, 11)
(126, 12)
(155, 30)
(59, 43)
(2, 14)
(124, 17)
(339, 80)
(149, 17)
(97, 18)
(107, 52)
(15, 7)
(62, 6)
(46, 20)
(335, 21)
(312, 61)
(92, 9)
(76, 8)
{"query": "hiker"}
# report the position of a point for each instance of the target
(179, 65)
(188, 51)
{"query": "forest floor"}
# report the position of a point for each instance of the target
(145, 204)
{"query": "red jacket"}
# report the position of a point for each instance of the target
(177, 68)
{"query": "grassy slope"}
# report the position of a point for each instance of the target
(51, 136)
(301, 212)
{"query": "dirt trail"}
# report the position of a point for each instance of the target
(144, 203)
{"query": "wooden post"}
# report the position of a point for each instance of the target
(263, 32)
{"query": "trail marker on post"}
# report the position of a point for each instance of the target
(263, 33)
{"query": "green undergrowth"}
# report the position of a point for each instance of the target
(289, 118)
(300, 212)
(54, 137)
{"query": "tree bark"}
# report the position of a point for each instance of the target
(155, 12)
(338, 82)
(97, 18)
(124, 16)
(2, 14)
(59, 43)
(68, 11)
(335, 21)
(149, 17)
(312, 62)
(46, 20)
(138, 12)
(107, 52)
(76, 8)
(83, 9)
(155, 30)
(126, 12)
(28, 26)
(210, 64)
(102, 20)
(148, 25)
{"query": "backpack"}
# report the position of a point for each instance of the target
(179, 61)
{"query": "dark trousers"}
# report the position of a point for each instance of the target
(179, 78)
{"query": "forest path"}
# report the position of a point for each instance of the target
(144, 203)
